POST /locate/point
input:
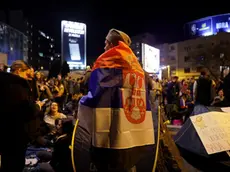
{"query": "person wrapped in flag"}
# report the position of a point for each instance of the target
(115, 117)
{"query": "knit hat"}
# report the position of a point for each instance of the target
(114, 36)
(19, 64)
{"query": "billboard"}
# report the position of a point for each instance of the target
(150, 58)
(201, 27)
(221, 23)
(208, 26)
(73, 42)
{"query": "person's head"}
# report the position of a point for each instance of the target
(185, 84)
(57, 82)
(113, 38)
(54, 107)
(204, 74)
(38, 75)
(59, 77)
(192, 80)
(64, 126)
(221, 93)
(175, 79)
(31, 73)
(20, 68)
(67, 125)
(182, 82)
(3, 67)
(226, 72)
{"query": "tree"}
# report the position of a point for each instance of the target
(55, 69)
(212, 57)
(65, 69)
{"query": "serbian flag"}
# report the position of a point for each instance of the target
(116, 112)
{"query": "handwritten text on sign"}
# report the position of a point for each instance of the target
(213, 129)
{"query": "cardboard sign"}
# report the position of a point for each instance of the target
(213, 129)
(226, 109)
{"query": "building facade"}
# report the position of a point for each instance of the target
(41, 52)
(137, 42)
(38, 47)
(187, 58)
(13, 43)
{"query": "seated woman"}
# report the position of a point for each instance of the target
(52, 115)
(218, 99)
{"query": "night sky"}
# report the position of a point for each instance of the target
(135, 17)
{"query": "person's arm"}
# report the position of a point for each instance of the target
(86, 78)
(194, 91)
(48, 92)
(37, 90)
(160, 87)
(212, 90)
(61, 91)
(182, 103)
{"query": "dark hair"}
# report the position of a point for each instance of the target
(175, 77)
(48, 108)
(183, 80)
(203, 73)
(67, 125)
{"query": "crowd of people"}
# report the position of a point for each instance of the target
(180, 96)
(38, 113)
(41, 112)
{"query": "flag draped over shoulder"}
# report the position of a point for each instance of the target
(116, 111)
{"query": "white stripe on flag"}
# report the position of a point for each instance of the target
(112, 130)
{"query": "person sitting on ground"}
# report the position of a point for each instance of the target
(52, 115)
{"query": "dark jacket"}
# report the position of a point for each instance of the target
(226, 87)
(61, 157)
(204, 91)
(173, 92)
(17, 109)
(34, 89)
(85, 82)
